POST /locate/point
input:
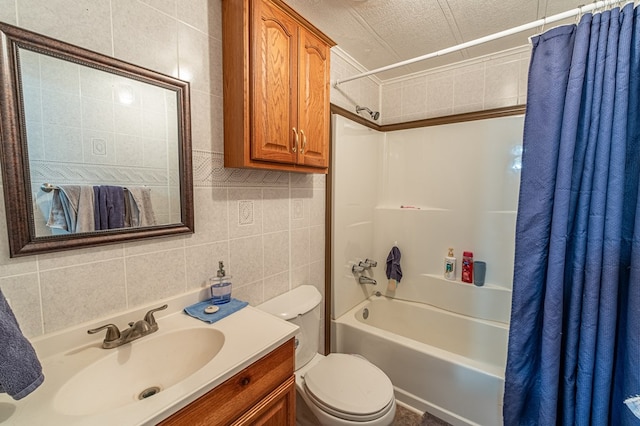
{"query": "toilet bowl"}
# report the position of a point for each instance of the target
(342, 389)
(338, 389)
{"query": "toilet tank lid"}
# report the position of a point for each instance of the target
(296, 302)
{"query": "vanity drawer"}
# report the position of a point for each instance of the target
(265, 385)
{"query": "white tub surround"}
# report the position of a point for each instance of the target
(438, 361)
(249, 334)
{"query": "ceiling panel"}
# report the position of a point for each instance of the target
(377, 33)
(481, 18)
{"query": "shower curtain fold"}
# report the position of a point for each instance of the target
(572, 357)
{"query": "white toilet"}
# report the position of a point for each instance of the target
(338, 389)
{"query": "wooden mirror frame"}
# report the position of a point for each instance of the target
(14, 156)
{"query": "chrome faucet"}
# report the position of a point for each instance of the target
(362, 279)
(368, 264)
(136, 330)
(356, 269)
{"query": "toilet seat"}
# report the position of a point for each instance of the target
(349, 387)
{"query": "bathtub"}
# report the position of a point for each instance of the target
(448, 364)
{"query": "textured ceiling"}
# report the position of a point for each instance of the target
(381, 32)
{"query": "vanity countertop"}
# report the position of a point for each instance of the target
(249, 334)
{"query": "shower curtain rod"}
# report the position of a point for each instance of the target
(540, 22)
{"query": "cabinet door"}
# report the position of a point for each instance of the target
(274, 92)
(313, 98)
(277, 409)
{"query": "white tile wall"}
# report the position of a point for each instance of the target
(266, 257)
(492, 81)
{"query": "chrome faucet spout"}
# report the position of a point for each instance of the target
(362, 279)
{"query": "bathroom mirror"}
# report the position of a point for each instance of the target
(94, 150)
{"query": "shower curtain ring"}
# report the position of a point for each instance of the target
(579, 14)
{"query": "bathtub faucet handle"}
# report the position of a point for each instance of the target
(368, 264)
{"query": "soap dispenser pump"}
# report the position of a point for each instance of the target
(220, 286)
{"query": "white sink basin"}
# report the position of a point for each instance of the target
(138, 370)
(186, 358)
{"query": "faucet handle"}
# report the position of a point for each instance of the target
(149, 318)
(368, 264)
(112, 332)
(357, 268)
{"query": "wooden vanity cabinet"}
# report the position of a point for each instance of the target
(276, 73)
(262, 394)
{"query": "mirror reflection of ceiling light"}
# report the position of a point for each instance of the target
(126, 94)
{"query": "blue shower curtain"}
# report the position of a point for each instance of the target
(574, 339)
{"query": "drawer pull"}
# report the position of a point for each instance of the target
(245, 381)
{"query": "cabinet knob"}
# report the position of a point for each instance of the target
(245, 381)
(295, 144)
(304, 141)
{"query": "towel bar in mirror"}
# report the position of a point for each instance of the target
(73, 118)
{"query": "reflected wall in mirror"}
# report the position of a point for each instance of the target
(94, 150)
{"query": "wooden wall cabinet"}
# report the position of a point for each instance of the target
(276, 73)
(262, 394)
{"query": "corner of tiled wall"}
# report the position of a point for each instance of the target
(361, 92)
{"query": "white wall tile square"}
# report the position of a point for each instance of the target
(202, 262)
(317, 240)
(300, 240)
(195, 63)
(252, 293)
(8, 11)
(468, 87)
(276, 285)
(23, 294)
(86, 23)
(197, 14)
(245, 212)
(82, 292)
(440, 90)
(155, 276)
(301, 207)
(202, 136)
(414, 96)
(300, 275)
(211, 215)
(275, 203)
(276, 253)
(246, 260)
(145, 36)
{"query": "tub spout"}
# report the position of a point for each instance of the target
(366, 280)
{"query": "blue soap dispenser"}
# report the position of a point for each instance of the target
(220, 286)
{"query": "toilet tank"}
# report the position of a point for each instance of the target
(301, 306)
